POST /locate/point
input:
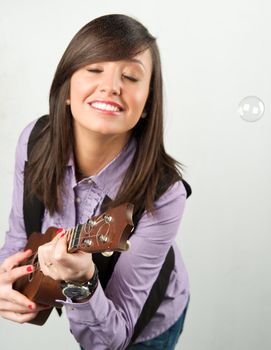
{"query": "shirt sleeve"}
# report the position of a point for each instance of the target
(107, 320)
(16, 239)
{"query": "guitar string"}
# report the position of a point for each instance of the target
(69, 231)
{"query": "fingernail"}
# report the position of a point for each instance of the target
(63, 234)
(29, 268)
(59, 230)
(27, 250)
(30, 306)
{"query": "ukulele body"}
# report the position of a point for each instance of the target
(37, 287)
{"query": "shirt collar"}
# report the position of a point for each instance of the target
(111, 176)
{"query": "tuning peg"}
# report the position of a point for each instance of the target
(107, 254)
(128, 245)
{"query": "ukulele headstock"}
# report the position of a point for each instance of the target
(102, 233)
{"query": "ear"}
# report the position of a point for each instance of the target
(68, 102)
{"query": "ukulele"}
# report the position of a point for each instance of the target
(104, 234)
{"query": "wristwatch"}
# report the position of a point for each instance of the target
(77, 292)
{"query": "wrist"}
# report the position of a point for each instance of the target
(83, 278)
(80, 292)
(89, 275)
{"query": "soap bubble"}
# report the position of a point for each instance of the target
(251, 108)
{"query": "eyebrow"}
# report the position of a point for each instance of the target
(135, 60)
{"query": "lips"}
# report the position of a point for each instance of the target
(106, 106)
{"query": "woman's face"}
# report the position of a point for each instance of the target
(109, 97)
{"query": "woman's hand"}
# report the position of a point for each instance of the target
(56, 263)
(14, 306)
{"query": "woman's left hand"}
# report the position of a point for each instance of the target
(58, 264)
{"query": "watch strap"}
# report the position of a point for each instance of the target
(88, 288)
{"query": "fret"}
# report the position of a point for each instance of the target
(71, 232)
(68, 235)
(76, 236)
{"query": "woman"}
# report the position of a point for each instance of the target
(103, 140)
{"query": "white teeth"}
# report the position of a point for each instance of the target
(105, 106)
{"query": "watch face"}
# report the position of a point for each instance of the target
(77, 292)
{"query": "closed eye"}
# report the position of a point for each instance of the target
(129, 77)
(95, 70)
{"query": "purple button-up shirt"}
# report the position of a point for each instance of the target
(106, 321)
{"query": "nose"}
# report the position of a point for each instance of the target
(110, 84)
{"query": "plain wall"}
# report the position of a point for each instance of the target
(214, 53)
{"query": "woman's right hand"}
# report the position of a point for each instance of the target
(14, 306)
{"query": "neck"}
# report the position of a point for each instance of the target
(93, 151)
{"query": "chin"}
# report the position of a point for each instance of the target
(106, 131)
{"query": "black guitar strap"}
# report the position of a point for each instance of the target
(33, 210)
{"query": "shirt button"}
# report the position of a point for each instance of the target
(78, 199)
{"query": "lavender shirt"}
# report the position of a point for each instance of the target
(106, 321)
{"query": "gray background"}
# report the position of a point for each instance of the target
(214, 54)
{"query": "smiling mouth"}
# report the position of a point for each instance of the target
(101, 106)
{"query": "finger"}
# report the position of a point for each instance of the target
(14, 307)
(59, 233)
(12, 275)
(20, 299)
(18, 317)
(45, 262)
(60, 253)
(50, 254)
(14, 260)
(46, 250)
(41, 307)
(45, 256)
(51, 270)
(17, 298)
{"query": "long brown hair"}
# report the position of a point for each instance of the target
(107, 38)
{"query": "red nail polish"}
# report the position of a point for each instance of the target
(30, 307)
(29, 268)
(59, 230)
(63, 234)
